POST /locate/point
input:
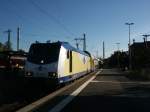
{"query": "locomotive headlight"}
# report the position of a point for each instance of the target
(29, 74)
(52, 74)
(17, 65)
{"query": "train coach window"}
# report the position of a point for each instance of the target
(70, 61)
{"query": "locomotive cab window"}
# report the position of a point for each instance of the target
(47, 52)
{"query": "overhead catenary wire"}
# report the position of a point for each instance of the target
(18, 15)
(29, 21)
(70, 35)
(54, 19)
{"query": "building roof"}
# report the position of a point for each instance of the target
(141, 44)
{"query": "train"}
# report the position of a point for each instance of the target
(12, 60)
(58, 62)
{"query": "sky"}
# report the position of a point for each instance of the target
(65, 20)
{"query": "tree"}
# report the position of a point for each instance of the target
(1, 47)
(7, 46)
(118, 59)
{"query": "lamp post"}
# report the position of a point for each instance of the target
(8, 41)
(145, 39)
(130, 60)
(118, 46)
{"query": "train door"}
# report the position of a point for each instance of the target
(70, 61)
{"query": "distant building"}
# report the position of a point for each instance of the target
(140, 54)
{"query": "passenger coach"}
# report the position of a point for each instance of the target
(57, 61)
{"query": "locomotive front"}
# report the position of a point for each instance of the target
(42, 61)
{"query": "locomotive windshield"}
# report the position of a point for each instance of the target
(43, 53)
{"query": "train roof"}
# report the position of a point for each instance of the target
(66, 45)
(17, 53)
(69, 47)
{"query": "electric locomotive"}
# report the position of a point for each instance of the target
(59, 62)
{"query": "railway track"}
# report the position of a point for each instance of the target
(17, 92)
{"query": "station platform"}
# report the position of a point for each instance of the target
(107, 90)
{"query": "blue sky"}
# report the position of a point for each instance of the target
(101, 20)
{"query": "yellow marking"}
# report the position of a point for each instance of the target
(77, 64)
